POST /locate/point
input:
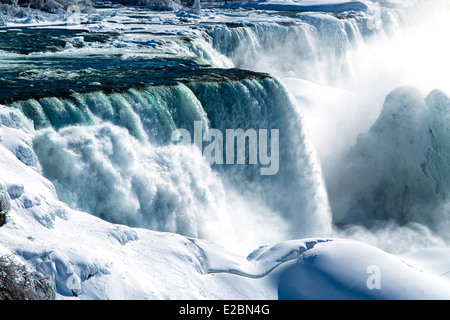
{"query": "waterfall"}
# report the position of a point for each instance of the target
(318, 48)
(111, 154)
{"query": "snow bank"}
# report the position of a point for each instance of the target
(406, 149)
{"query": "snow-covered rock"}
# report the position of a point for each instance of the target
(89, 258)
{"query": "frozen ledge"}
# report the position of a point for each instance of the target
(324, 6)
(216, 259)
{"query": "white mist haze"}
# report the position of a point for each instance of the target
(341, 102)
(338, 71)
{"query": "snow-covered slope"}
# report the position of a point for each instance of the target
(90, 258)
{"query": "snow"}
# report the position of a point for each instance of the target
(89, 258)
(305, 5)
(115, 17)
(258, 264)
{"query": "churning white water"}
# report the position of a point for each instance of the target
(362, 86)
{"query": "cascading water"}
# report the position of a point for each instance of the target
(106, 144)
(364, 59)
